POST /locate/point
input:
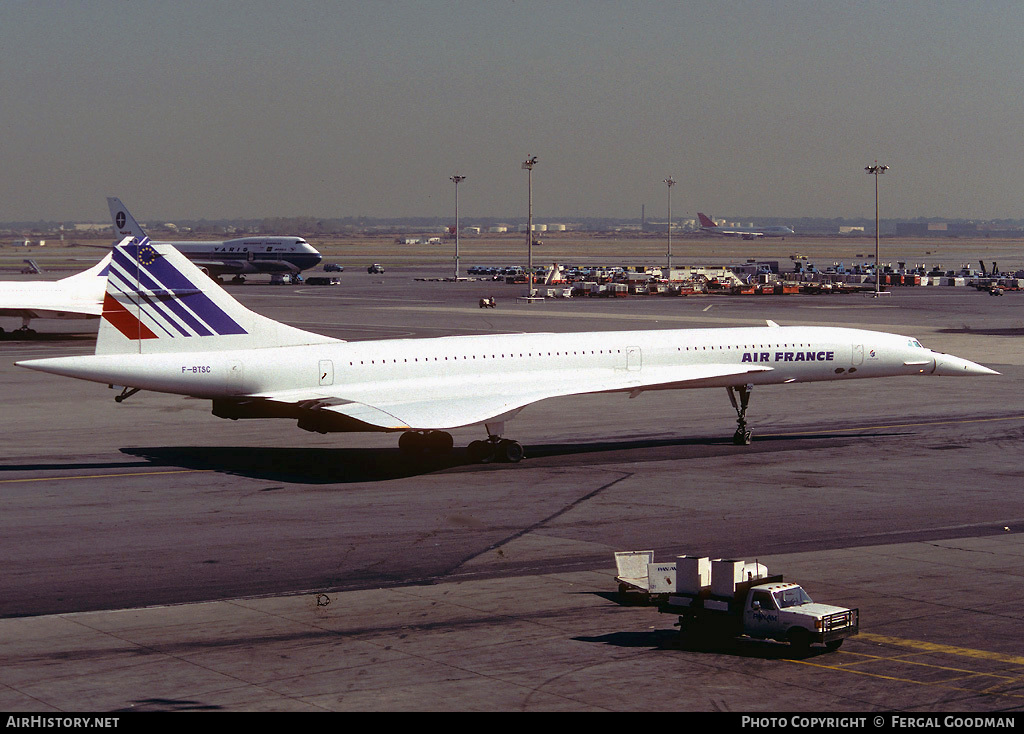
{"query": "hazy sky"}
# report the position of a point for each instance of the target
(268, 108)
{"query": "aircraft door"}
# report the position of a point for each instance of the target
(326, 372)
(858, 355)
(634, 359)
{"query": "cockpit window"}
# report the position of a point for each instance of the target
(915, 343)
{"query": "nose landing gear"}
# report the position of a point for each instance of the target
(742, 435)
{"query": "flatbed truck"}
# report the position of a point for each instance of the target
(727, 598)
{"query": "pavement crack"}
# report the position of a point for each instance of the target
(541, 523)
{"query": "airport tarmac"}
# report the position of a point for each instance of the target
(158, 557)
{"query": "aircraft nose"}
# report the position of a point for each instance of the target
(947, 364)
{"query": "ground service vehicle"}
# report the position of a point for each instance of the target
(727, 598)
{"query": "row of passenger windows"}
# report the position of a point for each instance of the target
(492, 356)
(566, 354)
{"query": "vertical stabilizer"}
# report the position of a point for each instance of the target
(96, 272)
(158, 301)
(124, 223)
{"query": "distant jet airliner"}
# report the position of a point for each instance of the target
(747, 233)
(238, 257)
(167, 327)
(75, 297)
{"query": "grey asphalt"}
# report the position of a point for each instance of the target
(157, 557)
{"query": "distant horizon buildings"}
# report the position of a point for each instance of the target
(816, 226)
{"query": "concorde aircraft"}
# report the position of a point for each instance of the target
(167, 327)
(238, 257)
(78, 296)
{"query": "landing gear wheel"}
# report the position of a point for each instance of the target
(438, 442)
(495, 449)
(511, 451)
(425, 442)
(479, 451)
(411, 442)
(741, 438)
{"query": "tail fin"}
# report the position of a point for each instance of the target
(97, 271)
(705, 220)
(124, 223)
(158, 301)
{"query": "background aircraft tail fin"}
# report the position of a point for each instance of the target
(705, 220)
(124, 223)
(158, 301)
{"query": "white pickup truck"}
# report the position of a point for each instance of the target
(729, 598)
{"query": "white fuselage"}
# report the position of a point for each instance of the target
(469, 365)
(748, 232)
(52, 299)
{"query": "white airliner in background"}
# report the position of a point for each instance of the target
(238, 257)
(75, 297)
(167, 327)
(748, 233)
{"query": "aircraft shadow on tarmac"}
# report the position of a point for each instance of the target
(344, 466)
(1013, 331)
(55, 338)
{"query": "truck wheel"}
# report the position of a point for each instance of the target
(834, 644)
(799, 640)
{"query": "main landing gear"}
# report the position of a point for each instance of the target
(742, 435)
(495, 448)
(425, 442)
(436, 443)
(23, 332)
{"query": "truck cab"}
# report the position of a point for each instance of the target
(784, 611)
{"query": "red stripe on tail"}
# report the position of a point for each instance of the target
(124, 321)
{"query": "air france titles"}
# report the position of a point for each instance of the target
(788, 357)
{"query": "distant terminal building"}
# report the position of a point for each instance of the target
(936, 229)
(851, 230)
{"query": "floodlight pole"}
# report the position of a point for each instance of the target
(528, 165)
(670, 182)
(876, 170)
(457, 179)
